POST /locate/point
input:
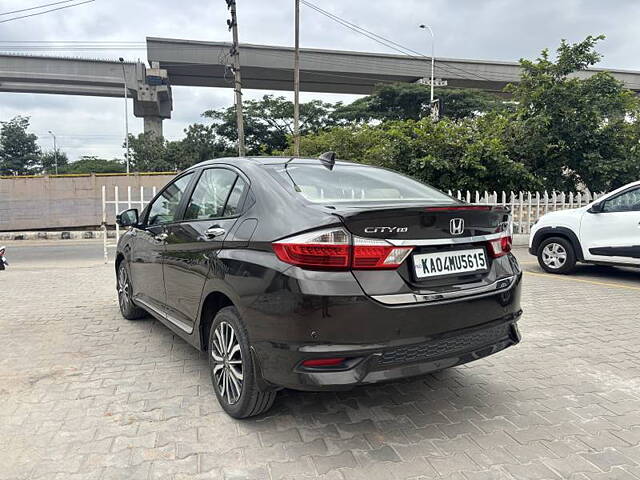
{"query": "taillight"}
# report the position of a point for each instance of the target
(336, 249)
(327, 249)
(371, 253)
(500, 246)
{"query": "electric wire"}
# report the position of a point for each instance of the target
(378, 38)
(45, 11)
(36, 8)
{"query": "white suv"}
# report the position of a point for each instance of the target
(606, 231)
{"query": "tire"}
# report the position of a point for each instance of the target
(128, 309)
(233, 372)
(556, 255)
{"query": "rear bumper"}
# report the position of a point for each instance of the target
(376, 365)
(386, 343)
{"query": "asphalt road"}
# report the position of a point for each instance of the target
(51, 253)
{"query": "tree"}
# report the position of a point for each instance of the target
(199, 144)
(570, 131)
(449, 154)
(19, 153)
(402, 101)
(269, 122)
(148, 153)
(91, 164)
(48, 161)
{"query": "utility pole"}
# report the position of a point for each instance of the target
(296, 83)
(126, 112)
(434, 113)
(235, 53)
(55, 151)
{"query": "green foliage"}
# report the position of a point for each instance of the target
(570, 131)
(48, 161)
(19, 153)
(91, 164)
(268, 123)
(560, 131)
(467, 154)
(199, 144)
(402, 101)
(150, 153)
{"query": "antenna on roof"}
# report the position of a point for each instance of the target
(328, 159)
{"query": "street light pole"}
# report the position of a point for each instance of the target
(55, 151)
(433, 58)
(126, 112)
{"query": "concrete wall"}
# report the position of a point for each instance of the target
(32, 203)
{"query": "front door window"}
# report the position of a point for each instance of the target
(165, 208)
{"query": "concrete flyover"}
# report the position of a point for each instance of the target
(148, 87)
(207, 64)
(196, 63)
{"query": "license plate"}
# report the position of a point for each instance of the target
(450, 263)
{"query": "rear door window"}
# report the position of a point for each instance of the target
(210, 196)
(235, 197)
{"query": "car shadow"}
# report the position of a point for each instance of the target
(599, 272)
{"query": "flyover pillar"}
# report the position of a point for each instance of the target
(152, 99)
(153, 124)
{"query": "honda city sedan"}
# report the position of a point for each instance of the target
(317, 274)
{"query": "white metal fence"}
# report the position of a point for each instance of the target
(526, 207)
(114, 201)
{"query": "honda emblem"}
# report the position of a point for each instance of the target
(456, 226)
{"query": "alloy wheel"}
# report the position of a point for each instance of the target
(124, 288)
(227, 362)
(554, 256)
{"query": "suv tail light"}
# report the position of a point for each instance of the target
(336, 249)
(500, 246)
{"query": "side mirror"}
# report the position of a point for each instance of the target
(128, 218)
(597, 207)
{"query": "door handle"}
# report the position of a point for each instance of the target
(213, 232)
(161, 237)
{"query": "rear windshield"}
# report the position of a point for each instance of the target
(356, 183)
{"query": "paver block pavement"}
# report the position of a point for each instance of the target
(87, 394)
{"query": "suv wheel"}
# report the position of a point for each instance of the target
(128, 309)
(232, 369)
(556, 255)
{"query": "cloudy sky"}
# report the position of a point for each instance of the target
(478, 29)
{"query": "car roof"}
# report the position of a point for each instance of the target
(264, 160)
